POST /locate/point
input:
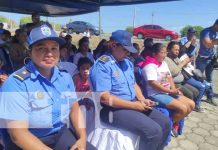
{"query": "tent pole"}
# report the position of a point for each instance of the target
(134, 15)
(99, 19)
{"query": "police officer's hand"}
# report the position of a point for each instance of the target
(3, 78)
(194, 41)
(148, 102)
(180, 92)
(141, 106)
(79, 145)
(174, 91)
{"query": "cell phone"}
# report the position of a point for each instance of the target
(156, 104)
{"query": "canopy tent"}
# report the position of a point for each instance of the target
(46, 7)
(63, 7)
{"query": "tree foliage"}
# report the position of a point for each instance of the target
(129, 29)
(71, 20)
(3, 19)
(56, 27)
(184, 30)
(11, 23)
(25, 19)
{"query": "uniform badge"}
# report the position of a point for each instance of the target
(116, 73)
(46, 31)
(113, 62)
(104, 58)
(39, 95)
(24, 72)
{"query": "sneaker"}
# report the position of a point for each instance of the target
(174, 133)
(212, 101)
(199, 109)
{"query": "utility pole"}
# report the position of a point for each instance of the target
(152, 18)
(134, 15)
(99, 25)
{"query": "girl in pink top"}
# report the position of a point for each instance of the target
(81, 79)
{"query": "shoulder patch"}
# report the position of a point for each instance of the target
(22, 74)
(104, 59)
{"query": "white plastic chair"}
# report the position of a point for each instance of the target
(104, 136)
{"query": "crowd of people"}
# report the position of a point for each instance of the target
(41, 73)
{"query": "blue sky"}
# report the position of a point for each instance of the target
(170, 15)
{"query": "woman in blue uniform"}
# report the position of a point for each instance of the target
(37, 99)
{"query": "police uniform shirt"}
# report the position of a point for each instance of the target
(115, 77)
(27, 95)
(207, 33)
(183, 41)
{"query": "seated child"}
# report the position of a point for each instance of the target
(81, 79)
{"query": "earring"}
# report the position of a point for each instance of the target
(26, 60)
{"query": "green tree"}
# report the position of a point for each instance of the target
(71, 20)
(129, 29)
(184, 30)
(56, 26)
(25, 19)
(198, 30)
(11, 23)
(3, 19)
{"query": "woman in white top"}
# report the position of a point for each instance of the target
(83, 51)
(160, 85)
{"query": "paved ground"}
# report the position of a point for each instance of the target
(201, 129)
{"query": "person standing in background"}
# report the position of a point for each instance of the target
(206, 55)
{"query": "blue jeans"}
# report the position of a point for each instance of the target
(204, 64)
(201, 88)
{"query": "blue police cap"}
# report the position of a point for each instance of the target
(216, 22)
(191, 30)
(1, 31)
(43, 33)
(124, 38)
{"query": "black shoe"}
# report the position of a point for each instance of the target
(212, 101)
(199, 109)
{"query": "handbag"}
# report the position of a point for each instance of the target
(186, 74)
(198, 75)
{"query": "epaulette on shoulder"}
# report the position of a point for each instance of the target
(22, 74)
(104, 59)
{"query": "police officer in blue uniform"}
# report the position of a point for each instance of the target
(113, 76)
(36, 100)
(204, 61)
(188, 43)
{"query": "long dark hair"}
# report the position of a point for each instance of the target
(156, 48)
(17, 33)
(81, 41)
(101, 48)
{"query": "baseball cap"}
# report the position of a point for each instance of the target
(2, 31)
(191, 30)
(216, 22)
(124, 38)
(43, 33)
